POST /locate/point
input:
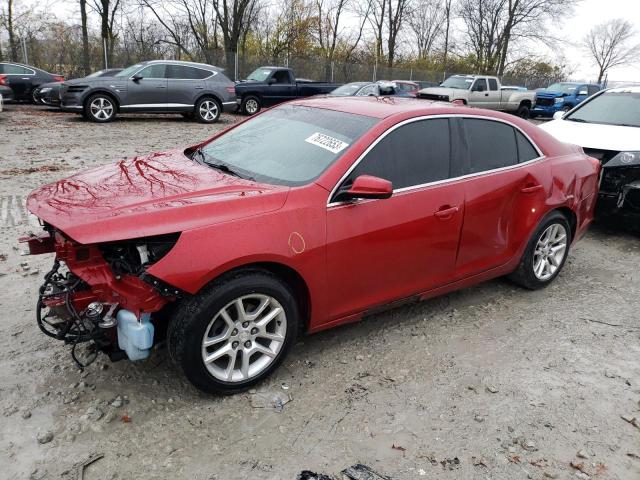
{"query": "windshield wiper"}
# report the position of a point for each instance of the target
(199, 156)
(579, 120)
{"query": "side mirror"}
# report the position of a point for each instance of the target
(136, 78)
(583, 92)
(368, 186)
(558, 115)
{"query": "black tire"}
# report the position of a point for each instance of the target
(524, 275)
(34, 98)
(523, 112)
(191, 323)
(207, 110)
(250, 105)
(100, 108)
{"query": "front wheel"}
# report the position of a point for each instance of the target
(235, 332)
(546, 253)
(100, 108)
(251, 105)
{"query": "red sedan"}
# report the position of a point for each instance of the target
(307, 216)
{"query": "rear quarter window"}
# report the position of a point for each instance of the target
(526, 151)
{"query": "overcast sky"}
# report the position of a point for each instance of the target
(588, 14)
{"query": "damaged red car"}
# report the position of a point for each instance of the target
(304, 217)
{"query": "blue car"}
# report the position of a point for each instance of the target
(562, 96)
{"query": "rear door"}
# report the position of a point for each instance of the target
(505, 191)
(185, 84)
(494, 99)
(148, 92)
(383, 250)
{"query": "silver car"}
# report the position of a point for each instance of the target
(195, 90)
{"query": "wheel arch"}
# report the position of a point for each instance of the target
(206, 95)
(287, 274)
(571, 217)
(526, 102)
(103, 92)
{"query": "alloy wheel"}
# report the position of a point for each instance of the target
(244, 337)
(208, 110)
(550, 251)
(101, 108)
(251, 106)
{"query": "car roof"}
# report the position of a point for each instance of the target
(383, 107)
(187, 64)
(623, 89)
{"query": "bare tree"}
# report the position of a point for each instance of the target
(234, 20)
(8, 20)
(107, 9)
(85, 37)
(611, 44)
(447, 30)
(396, 16)
(427, 20)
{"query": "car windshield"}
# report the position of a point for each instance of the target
(567, 88)
(95, 74)
(461, 83)
(127, 72)
(288, 145)
(259, 75)
(348, 89)
(616, 107)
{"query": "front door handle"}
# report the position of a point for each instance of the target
(161, 86)
(486, 94)
(446, 212)
(531, 188)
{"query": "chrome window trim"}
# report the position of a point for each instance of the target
(540, 156)
(157, 105)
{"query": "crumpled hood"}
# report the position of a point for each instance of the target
(152, 195)
(549, 94)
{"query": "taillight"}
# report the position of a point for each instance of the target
(3, 79)
(231, 89)
(58, 78)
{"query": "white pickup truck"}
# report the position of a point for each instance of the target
(483, 92)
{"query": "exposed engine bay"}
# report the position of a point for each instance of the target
(100, 296)
(619, 193)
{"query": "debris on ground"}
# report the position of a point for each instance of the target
(399, 448)
(309, 475)
(44, 437)
(362, 472)
(83, 466)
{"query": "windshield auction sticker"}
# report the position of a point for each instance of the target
(328, 143)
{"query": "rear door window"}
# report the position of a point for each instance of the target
(413, 154)
(491, 144)
(493, 84)
(11, 69)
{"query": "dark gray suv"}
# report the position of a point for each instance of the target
(195, 90)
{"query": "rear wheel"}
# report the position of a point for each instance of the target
(207, 110)
(251, 105)
(100, 108)
(235, 332)
(523, 111)
(546, 253)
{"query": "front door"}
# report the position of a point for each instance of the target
(19, 78)
(148, 92)
(479, 94)
(384, 250)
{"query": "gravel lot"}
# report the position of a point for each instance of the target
(489, 382)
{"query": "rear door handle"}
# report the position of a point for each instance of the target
(446, 212)
(161, 86)
(531, 188)
(199, 88)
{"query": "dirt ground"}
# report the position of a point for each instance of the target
(492, 382)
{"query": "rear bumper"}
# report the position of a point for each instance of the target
(230, 106)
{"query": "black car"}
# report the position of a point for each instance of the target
(49, 93)
(195, 90)
(24, 79)
(267, 86)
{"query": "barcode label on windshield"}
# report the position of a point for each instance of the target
(328, 143)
